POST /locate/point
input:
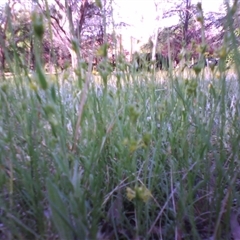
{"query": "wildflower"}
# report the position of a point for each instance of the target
(139, 192)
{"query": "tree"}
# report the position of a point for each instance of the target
(185, 16)
(161, 13)
(2, 37)
(79, 25)
(185, 38)
(14, 33)
(163, 10)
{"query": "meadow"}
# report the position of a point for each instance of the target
(147, 156)
(123, 154)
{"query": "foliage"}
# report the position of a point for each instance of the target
(123, 154)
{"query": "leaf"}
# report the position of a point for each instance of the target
(41, 77)
(235, 227)
(53, 94)
(116, 208)
(21, 224)
(60, 215)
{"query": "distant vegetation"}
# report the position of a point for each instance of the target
(93, 27)
(95, 146)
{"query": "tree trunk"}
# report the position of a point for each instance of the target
(74, 59)
(32, 57)
(2, 53)
(75, 33)
(154, 48)
(159, 10)
(186, 22)
(2, 61)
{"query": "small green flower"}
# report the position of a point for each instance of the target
(133, 146)
(75, 45)
(139, 193)
(146, 138)
(133, 114)
(197, 68)
(103, 50)
(99, 3)
(192, 88)
(222, 52)
(38, 25)
(131, 194)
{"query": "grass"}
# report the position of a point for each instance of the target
(128, 156)
(154, 159)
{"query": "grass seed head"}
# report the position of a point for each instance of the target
(38, 25)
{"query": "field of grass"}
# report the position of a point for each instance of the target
(142, 158)
(121, 155)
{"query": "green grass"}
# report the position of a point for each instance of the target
(119, 156)
(177, 139)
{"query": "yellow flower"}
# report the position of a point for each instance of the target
(131, 194)
(140, 193)
(33, 86)
(143, 193)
